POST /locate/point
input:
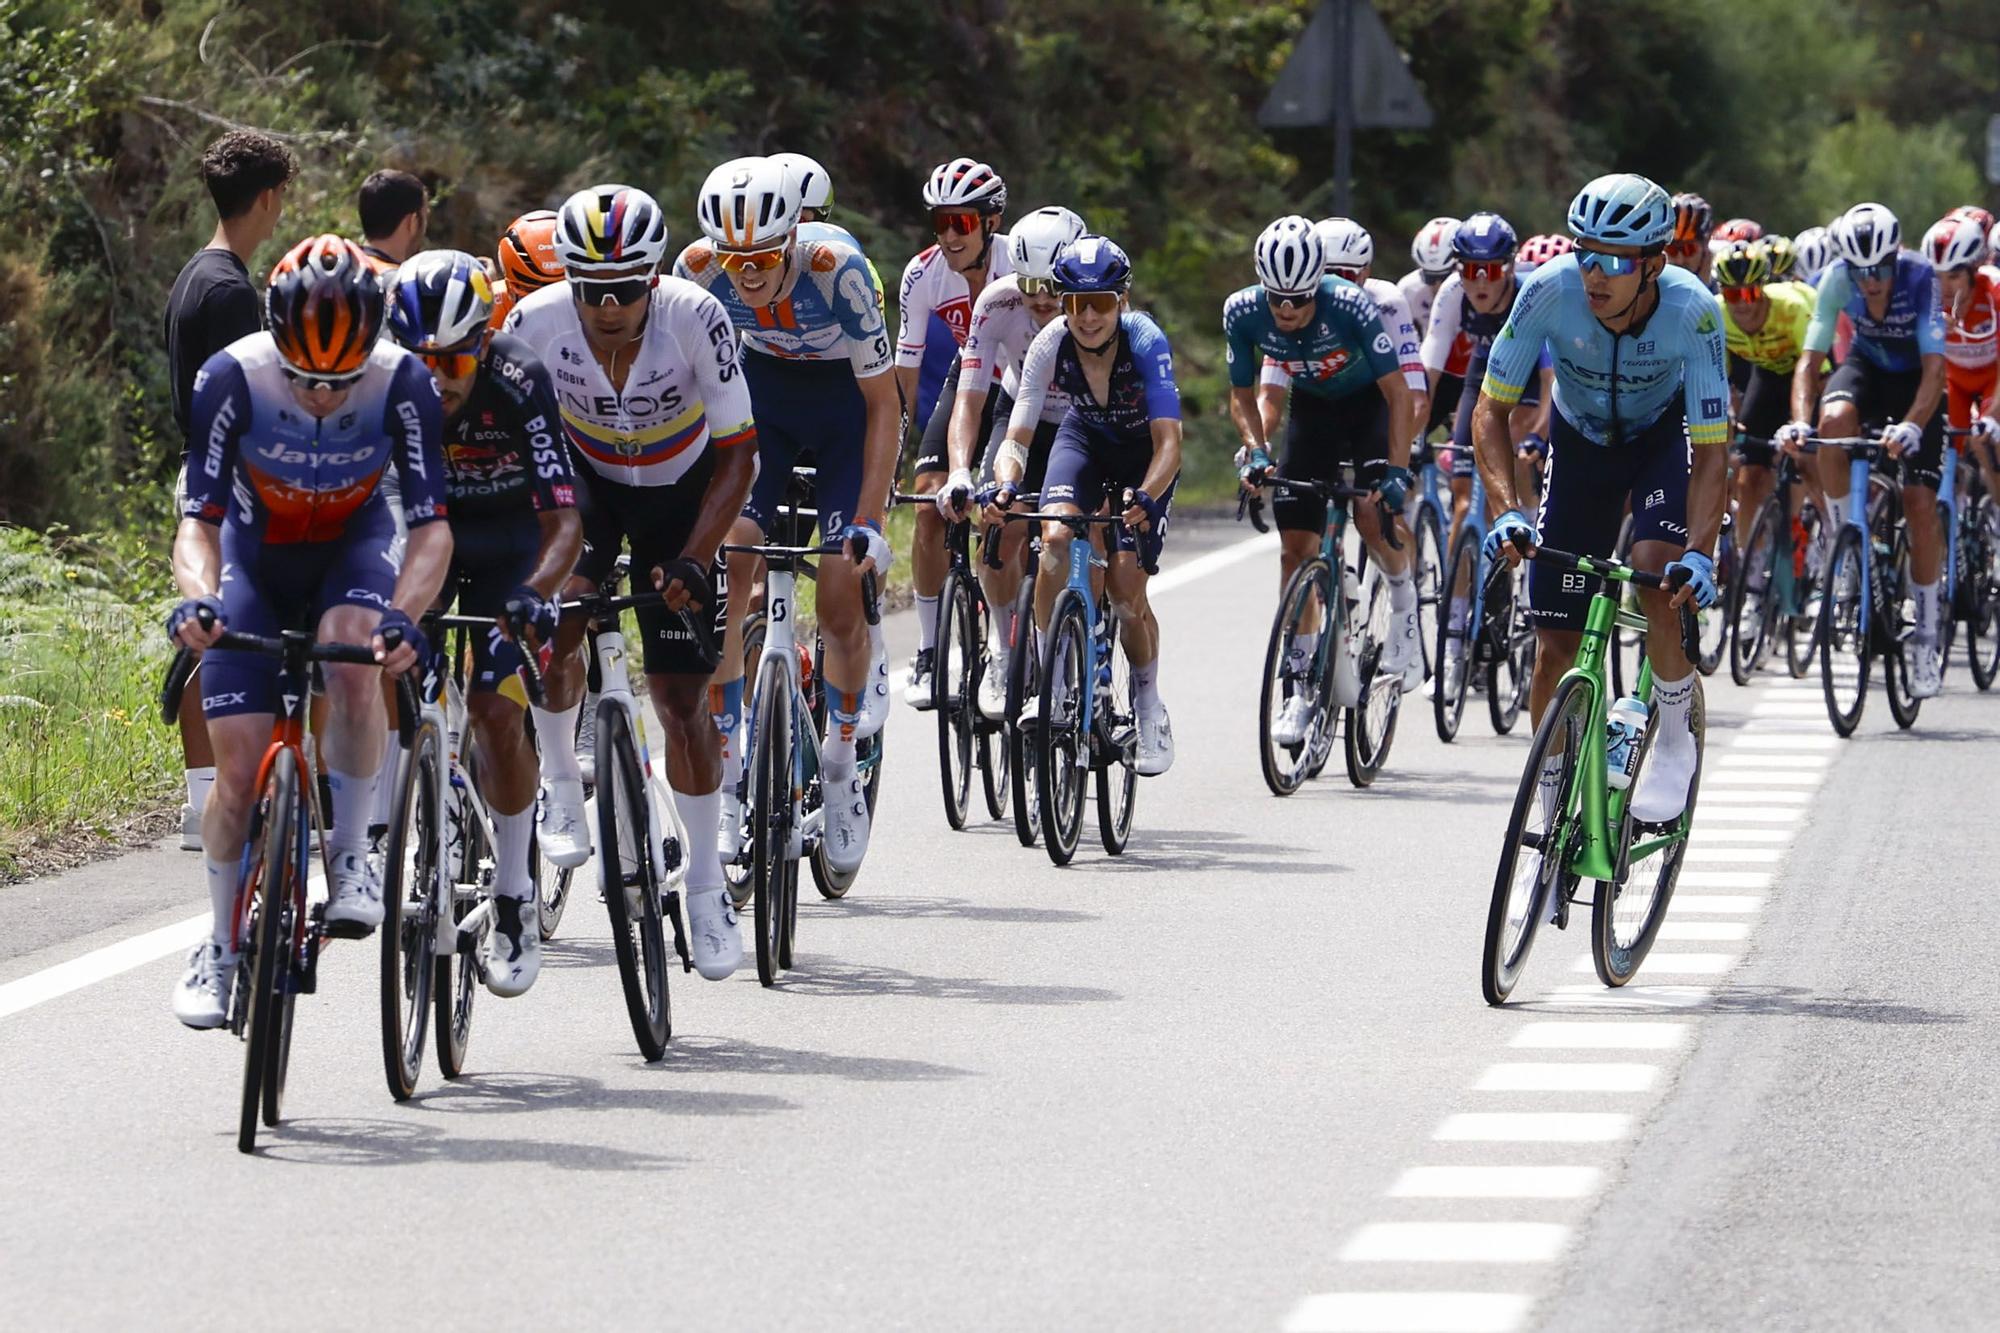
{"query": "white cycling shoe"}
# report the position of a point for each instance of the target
(201, 999)
(513, 947)
(917, 694)
(993, 690)
(354, 904)
(1662, 792)
(1156, 741)
(1926, 679)
(1401, 654)
(713, 937)
(190, 829)
(845, 832)
(875, 699)
(1294, 719)
(559, 823)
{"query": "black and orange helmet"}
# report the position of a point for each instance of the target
(1693, 218)
(324, 308)
(528, 253)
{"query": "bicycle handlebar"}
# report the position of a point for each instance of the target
(1332, 491)
(1617, 571)
(530, 667)
(351, 654)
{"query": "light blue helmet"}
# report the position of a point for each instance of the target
(1622, 209)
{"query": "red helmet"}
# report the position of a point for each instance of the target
(1538, 250)
(1740, 229)
(323, 305)
(528, 257)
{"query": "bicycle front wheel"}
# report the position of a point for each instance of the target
(1898, 634)
(1747, 610)
(1064, 757)
(1296, 668)
(268, 945)
(1371, 723)
(1512, 673)
(952, 692)
(630, 880)
(1801, 611)
(770, 816)
(1116, 752)
(1024, 675)
(1626, 918)
(1843, 634)
(1982, 575)
(1433, 587)
(411, 907)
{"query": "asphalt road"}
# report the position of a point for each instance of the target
(1240, 1078)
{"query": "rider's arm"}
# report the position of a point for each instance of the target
(975, 374)
(1396, 390)
(562, 544)
(413, 417)
(878, 468)
(913, 322)
(1409, 354)
(1155, 359)
(197, 557)
(217, 418)
(1166, 464)
(1271, 395)
(1807, 377)
(1240, 314)
(1038, 367)
(1246, 413)
(1705, 398)
(1930, 345)
(520, 375)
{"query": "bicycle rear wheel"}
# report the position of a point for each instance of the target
(1116, 752)
(770, 811)
(411, 904)
(1982, 573)
(1307, 600)
(1538, 837)
(953, 692)
(1371, 723)
(1801, 615)
(1064, 757)
(1844, 654)
(1626, 918)
(268, 942)
(1452, 658)
(1512, 673)
(1748, 609)
(1893, 609)
(630, 880)
(1024, 672)
(1433, 588)
(1712, 624)
(456, 981)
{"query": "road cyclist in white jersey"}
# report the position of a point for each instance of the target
(653, 402)
(1006, 319)
(965, 199)
(817, 359)
(1431, 252)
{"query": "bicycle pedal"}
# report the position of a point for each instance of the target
(670, 853)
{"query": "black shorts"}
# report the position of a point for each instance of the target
(1038, 448)
(933, 452)
(1767, 407)
(490, 557)
(1462, 454)
(1583, 505)
(657, 522)
(1322, 435)
(1885, 395)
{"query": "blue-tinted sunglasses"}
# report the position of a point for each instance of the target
(1611, 266)
(1877, 272)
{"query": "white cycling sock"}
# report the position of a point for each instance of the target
(511, 835)
(837, 756)
(222, 901)
(703, 817)
(1926, 596)
(555, 736)
(1402, 591)
(999, 632)
(1302, 650)
(1146, 685)
(353, 799)
(199, 780)
(385, 782)
(1674, 700)
(926, 622)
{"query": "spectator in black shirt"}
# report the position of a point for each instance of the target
(214, 303)
(395, 215)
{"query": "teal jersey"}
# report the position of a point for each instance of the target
(1342, 350)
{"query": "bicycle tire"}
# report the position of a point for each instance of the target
(1748, 611)
(1712, 628)
(267, 882)
(1371, 723)
(834, 884)
(1448, 703)
(1897, 636)
(1023, 745)
(1840, 633)
(770, 815)
(1618, 955)
(1511, 675)
(1802, 626)
(1287, 767)
(1061, 764)
(410, 902)
(1433, 591)
(456, 977)
(1510, 924)
(1982, 630)
(952, 694)
(1117, 758)
(624, 812)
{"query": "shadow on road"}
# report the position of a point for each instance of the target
(724, 1055)
(819, 975)
(1202, 850)
(477, 1094)
(1755, 1001)
(366, 1142)
(899, 909)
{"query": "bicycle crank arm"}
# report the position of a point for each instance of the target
(470, 931)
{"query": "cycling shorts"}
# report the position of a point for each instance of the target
(1885, 395)
(1038, 448)
(1461, 425)
(657, 521)
(933, 453)
(1087, 470)
(807, 412)
(1767, 407)
(1323, 434)
(1584, 498)
(490, 557)
(267, 589)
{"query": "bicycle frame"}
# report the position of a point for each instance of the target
(1594, 855)
(1475, 526)
(781, 644)
(288, 733)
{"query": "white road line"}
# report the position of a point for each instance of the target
(1496, 1182)
(98, 964)
(1633, 1036)
(1759, 795)
(1631, 999)
(1743, 814)
(1671, 929)
(1456, 1242)
(1698, 903)
(1800, 762)
(1714, 836)
(1534, 1127)
(1203, 565)
(1409, 1312)
(1526, 1076)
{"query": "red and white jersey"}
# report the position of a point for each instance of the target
(933, 293)
(1972, 333)
(1396, 320)
(1418, 294)
(1448, 344)
(1002, 328)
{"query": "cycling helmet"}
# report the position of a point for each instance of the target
(1743, 264)
(323, 305)
(1290, 257)
(1622, 209)
(1093, 264)
(751, 203)
(815, 186)
(1693, 218)
(1741, 229)
(1784, 259)
(964, 183)
(528, 258)
(1485, 238)
(1868, 235)
(440, 301)
(1976, 213)
(1346, 242)
(610, 227)
(1432, 248)
(1955, 242)
(1034, 242)
(1539, 250)
(1814, 248)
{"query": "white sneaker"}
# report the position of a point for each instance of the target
(355, 902)
(586, 740)
(729, 828)
(513, 947)
(993, 689)
(190, 829)
(201, 1000)
(845, 832)
(714, 940)
(1925, 678)
(1156, 742)
(1663, 785)
(917, 694)
(1294, 719)
(1401, 654)
(559, 823)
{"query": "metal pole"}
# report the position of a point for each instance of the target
(1343, 106)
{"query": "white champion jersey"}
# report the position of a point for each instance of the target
(1002, 328)
(934, 293)
(685, 391)
(1396, 319)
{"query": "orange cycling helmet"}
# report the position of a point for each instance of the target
(1693, 218)
(323, 305)
(528, 253)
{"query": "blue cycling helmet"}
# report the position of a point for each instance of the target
(1622, 209)
(1093, 264)
(440, 300)
(1485, 237)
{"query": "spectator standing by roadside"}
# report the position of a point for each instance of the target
(395, 217)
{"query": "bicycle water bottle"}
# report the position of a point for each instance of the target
(1623, 731)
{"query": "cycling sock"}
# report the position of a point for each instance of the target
(725, 704)
(1300, 657)
(199, 780)
(222, 902)
(511, 835)
(703, 816)
(385, 784)
(842, 716)
(1402, 592)
(555, 736)
(353, 800)
(1926, 596)
(1461, 610)
(999, 631)
(1145, 684)
(926, 623)
(1674, 699)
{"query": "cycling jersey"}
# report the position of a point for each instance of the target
(1458, 334)
(1611, 387)
(827, 309)
(1971, 355)
(1342, 349)
(1142, 388)
(1002, 329)
(1396, 319)
(503, 451)
(827, 231)
(934, 311)
(1777, 345)
(1911, 328)
(1419, 293)
(684, 391)
(264, 465)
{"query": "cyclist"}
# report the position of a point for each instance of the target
(1005, 320)
(816, 208)
(515, 537)
(1350, 402)
(1969, 292)
(651, 396)
(1641, 417)
(1784, 260)
(940, 283)
(1813, 246)
(1895, 365)
(1764, 328)
(1119, 444)
(528, 261)
(285, 525)
(1431, 252)
(1694, 225)
(816, 358)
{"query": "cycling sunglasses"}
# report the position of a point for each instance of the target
(322, 383)
(1104, 303)
(1881, 272)
(751, 261)
(1483, 270)
(1290, 300)
(455, 363)
(1685, 249)
(1038, 287)
(1741, 295)
(1611, 266)
(956, 221)
(611, 291)
(1351, 274)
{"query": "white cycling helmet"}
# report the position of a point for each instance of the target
(1032, 242)
(1290, 257)
(609, 228)
(1814, 247)
(1347, 243)
(815, 186)
(1432, 248)
(965, 183)
(1868, 235)
(1955, 243)
(751, 203)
